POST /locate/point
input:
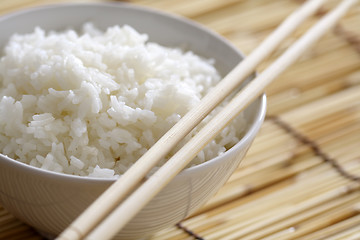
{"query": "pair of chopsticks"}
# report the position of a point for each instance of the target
(114, 208)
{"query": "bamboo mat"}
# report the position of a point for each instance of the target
(299, 179)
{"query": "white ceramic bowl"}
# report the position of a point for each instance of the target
(50, 201)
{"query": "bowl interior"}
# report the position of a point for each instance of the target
(163, 28)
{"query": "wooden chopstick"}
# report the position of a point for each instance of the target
(111, 198)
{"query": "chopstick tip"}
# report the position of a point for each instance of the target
(70, 233)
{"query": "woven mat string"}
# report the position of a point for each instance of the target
(315, 148)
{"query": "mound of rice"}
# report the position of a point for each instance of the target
(91, 103)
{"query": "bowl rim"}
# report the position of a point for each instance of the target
(250, 132)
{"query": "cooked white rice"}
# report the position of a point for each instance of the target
(91, 104)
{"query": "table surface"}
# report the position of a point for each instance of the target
(288, 186)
